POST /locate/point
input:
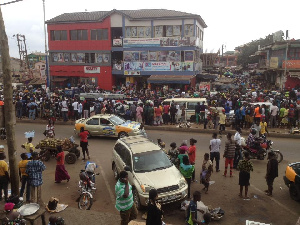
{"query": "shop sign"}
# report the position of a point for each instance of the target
(158, 66)
(92, 69)
(141, 42)
(291, 64)
(204, 86)
(131, 72)
(294, 74)
(117, 42)
(274, 62)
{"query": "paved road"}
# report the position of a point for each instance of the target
(279, 210)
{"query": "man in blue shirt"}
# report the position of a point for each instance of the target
(34, 169)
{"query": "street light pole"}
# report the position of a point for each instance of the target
(46, 49)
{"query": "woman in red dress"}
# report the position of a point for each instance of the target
(84, 142)
(61, 173)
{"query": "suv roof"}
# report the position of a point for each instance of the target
(139, 144)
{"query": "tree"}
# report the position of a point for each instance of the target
(247, 52)
(9, 109)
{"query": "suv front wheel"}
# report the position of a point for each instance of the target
(136, 199)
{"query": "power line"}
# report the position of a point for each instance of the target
(7, 3)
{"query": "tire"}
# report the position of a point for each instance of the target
(77, 153)
(294, 191)
(70, 158)
(279, 156)
(122, 134)
(116, 173)
(46, 155)
(136, 199)
(85, 202)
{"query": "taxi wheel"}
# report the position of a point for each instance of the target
(122, 134)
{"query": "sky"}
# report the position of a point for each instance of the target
(230, 23)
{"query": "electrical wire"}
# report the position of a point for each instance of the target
(7, 3)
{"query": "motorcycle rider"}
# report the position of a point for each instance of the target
(252, 142)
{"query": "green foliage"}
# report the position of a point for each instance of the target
(247, 52)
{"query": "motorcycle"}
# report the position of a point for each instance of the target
(266, 146)
(86, 186)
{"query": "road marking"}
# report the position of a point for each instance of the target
(277, 202)
(111, 194)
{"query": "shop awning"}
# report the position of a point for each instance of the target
(58, 79)
(170, 79)
(207, 76)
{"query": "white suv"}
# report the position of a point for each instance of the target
(148, 167)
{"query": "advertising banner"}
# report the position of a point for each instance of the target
(141, 42)
(136, 66)
(157, 66)
(117, 42)
(203, 86)
(274, 62)
(91, 69)
(291, 64)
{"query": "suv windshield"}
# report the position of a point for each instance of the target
(116, 120)
(150, 161)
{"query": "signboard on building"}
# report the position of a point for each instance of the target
(117, 42)
(157, 66)
(294, 74)
(141, 42)
(92, 69)
(274, 62)
(291, 64)
(204, 86)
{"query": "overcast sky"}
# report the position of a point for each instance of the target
(230, 23)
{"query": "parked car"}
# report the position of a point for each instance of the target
(148, 167)
(292, 180)
(109, 125)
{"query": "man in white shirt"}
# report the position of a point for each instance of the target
(274, 111)
(214, 148)
(64, 110)
(75, 109)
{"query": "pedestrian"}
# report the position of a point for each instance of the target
(263, 127)
(272, 172)
(186, 169)
(34, 169)
(229, 154)
(245, 167)
(4, 177)
(124, 199)
(86, 109)
(133, 111)
(64, 110)
(191, 211)
(61, 173)
(154, 211)
(139, 113)
(11, 216)
(238, 147)
(80, 108)
(84, 142)
(24, 177)
(75, 109)
(207, 169)
(214, 148)
(29, 147)
(222, 121)
(49, 132)
(274, 112)
(19, 108)
(197, 112)
(192, 155)
(173, 112)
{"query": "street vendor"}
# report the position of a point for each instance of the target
(29, 147)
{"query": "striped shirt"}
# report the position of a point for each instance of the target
(229, 149)
(123, 204)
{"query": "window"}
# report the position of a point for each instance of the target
(58, 35)
(78, 35)
(105, 122)
(93, 121)
(99, 34)
(92, 57)
(127, 158)
(86, 57)
(189, 30)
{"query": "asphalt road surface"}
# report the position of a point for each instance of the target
(279, 209)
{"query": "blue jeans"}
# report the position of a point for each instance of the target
(32, 114)
(65, 115)
(25, 181)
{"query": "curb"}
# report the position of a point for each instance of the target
(167, 128)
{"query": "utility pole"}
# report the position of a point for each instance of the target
(22, 50)
(46, 49)
(9, 109)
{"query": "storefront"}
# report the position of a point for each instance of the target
(182, 82)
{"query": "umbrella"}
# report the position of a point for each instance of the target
(228, 73)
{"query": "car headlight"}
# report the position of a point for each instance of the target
(146, 188)
(182, 183)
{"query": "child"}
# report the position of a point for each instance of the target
(173, 153)
(244, 166)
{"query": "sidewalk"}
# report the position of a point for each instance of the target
(273, 132)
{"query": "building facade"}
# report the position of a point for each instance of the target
(280, 63)
(125, 47)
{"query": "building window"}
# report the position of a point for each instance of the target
(78, 35)
(188, 30)
(99, 34)
(58, 35)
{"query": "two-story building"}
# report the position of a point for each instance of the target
(125, 47)
(280, 63)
